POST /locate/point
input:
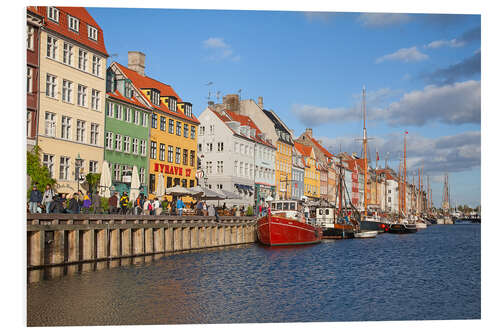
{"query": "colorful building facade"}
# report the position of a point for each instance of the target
(311, 171)
(73, 84)
(173, 128)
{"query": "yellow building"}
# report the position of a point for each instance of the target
(173, 129)
(72, 93)
(311, 172)
(284, 169)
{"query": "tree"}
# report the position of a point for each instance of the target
(93, 180)
(38, 172)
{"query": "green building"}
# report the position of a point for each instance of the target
(127, 129)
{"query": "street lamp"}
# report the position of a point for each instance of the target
(78, 161)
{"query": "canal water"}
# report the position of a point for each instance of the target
(431, 275)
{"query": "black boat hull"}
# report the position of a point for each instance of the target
(399, 228)
(338, 233)
(372, 226)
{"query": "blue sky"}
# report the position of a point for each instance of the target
(421, 72)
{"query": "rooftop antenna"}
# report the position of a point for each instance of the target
(208, 85)
(218, 96)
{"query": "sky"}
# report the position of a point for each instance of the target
(422, 74)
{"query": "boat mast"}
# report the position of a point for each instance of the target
(428, 193)
(404, 178)
(364, 149)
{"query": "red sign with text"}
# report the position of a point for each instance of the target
(172, 170)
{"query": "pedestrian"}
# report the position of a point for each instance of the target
(48, 197)
(87, 202)
(138, 204)
(96, 202)
(113, 203)
(172, 207)
(216, 215)
(204, 209)
(124, 202)
(35, 200)
(157, 207)
(74, 206)
(57, 205)
(147, 207)
(180, 206)
(211, 210)
(199, 208)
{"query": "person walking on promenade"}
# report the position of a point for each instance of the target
(87, 202)
(180, 206)
(156, 207)
(147, 207)
(74, 206)
(35, 200)
(211, 210)
(48, 197)
(204, 209)
(96, 202)
(113, 203)
(124, 203)
(138, 204)
(199, 208)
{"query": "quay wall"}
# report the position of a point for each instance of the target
(60, 239)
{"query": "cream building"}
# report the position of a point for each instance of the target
(72, 95)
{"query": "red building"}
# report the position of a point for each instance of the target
(33, 22)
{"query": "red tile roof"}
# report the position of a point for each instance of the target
(304, 150)
(320, 147)
(243, 120)
(116, 94)
(144, 82)
(62, 27)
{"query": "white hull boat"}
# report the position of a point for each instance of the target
(366, 234)
(420, 225)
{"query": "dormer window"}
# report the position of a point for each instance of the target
(172, 104)
(188, 109)
(53, 14)
(73, 23)
(92, 32)
(128, 89)
(155, 97)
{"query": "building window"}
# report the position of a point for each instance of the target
(152, 151)
(241, 169)
(137, 117)
(82, 95)
(220, 167)
(67, 91)
(177, 155)
(29, 80)
(220, 146)
(96, 65)
(172, 104)
(109, 110)
(126, 144)
(119, 112)
(109, 140)
(93, 166)
(80, 131)
(191, 158)
(66, 128)
(193, 132)
(236, 168)
(135, 146)
(199, 147)
(118, 142)
(116, 172)
(142, 175)
(64, 168)
(53, 14)
(170, 154)
(127, 115)
(209, 167)
(30, 40)
(202, 130)
(179, 128)
(155, 97)
(48, 162)
(211, 129)
(92, 32)
(145, 119)
(51, 86)
(143, 148)
(169, 182)
(185, 156)
(188, 110)
(96, 100)
(162, 152)
(163, 123)
(154, 120)
(50, 124)
(68, 54)
(82, 60)
(186, 130)
(209, 147)
(52, 47)
(94, 134)
(170, 126)
(73, 23)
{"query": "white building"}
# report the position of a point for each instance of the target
(234, 154)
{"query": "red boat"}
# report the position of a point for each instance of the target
(285, 225)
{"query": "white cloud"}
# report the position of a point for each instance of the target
(441, 43)
(411, 54)
(382, 19)
(219, 50)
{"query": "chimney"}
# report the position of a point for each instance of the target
(232, 102)
(261, 102)
(136, 61)
(309, 131)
